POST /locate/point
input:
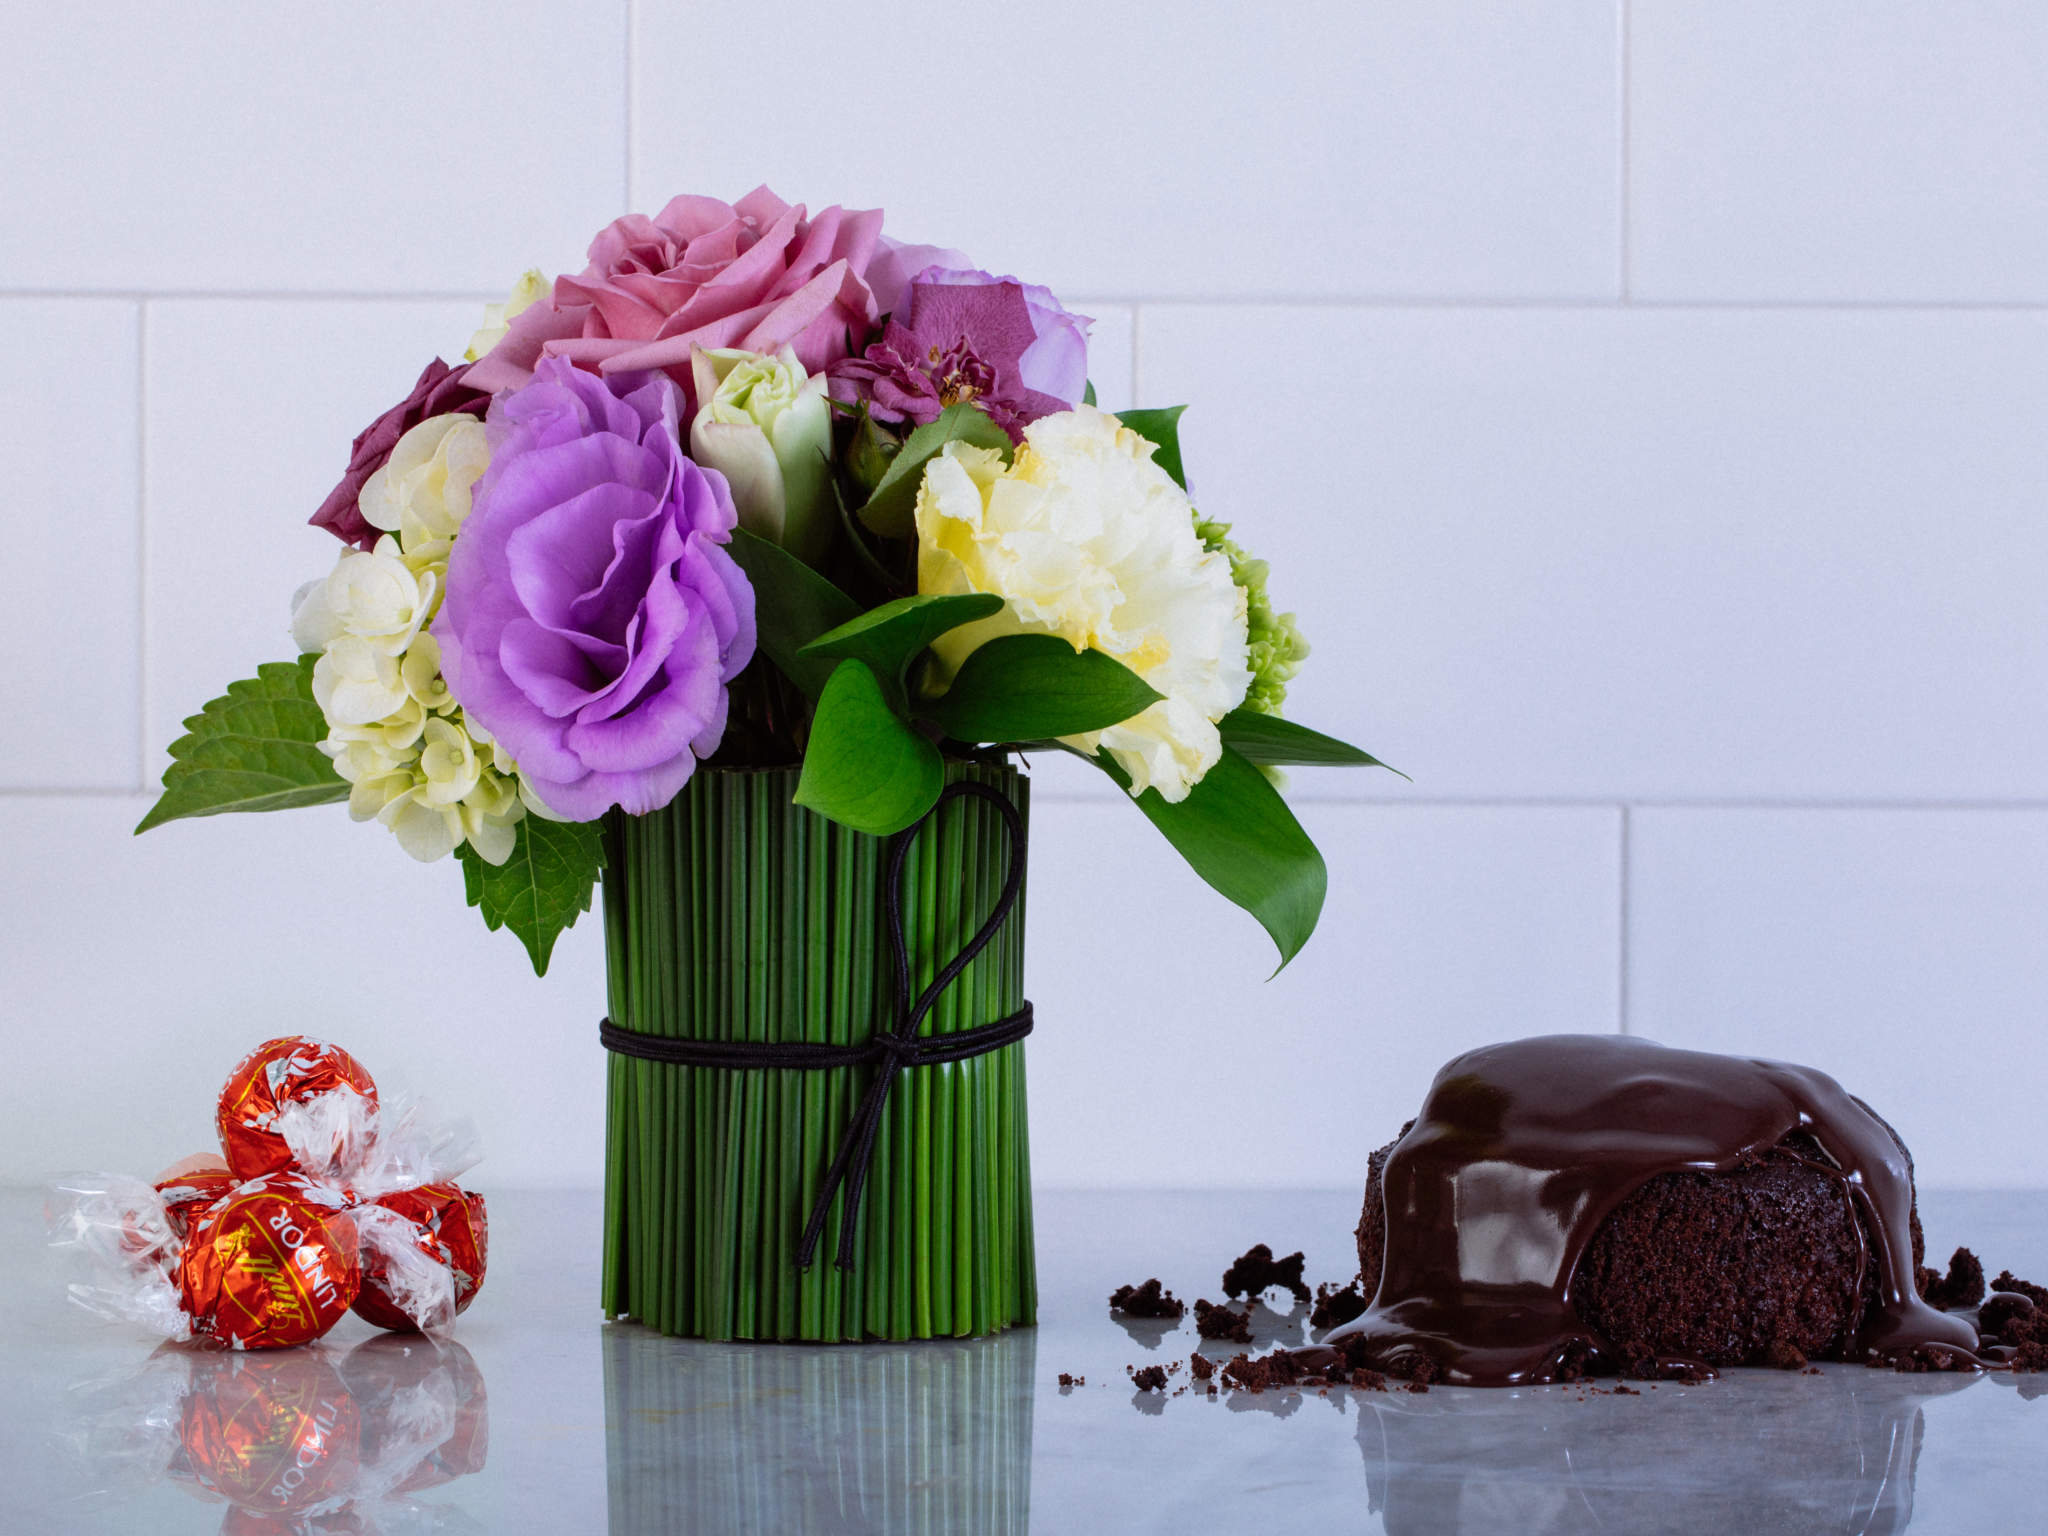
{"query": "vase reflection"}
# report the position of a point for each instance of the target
(296, 1442)
(1838, 1458)
(932, 1436)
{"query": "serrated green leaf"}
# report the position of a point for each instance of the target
(255, 748)
(542, 888)
(891, 511)
(1273, 742)
(793, 605)
(1161, 428)
(865, 767)
(889, 637)
(1031, 687)
(1238, 834)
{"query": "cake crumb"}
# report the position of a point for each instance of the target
(2011, 1318)
(1336, 1304)
(1147, 1378)
(1962, 1286)
(2007, 1281)
(1256, 1271)
(1623, 1389)
(1215, 1321)
(1068, 1383)
(1148, 1299)
(1783, 1355)
(1201, 1367)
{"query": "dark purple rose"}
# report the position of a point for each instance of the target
(967, 336)
(593, 616)
(441, 391)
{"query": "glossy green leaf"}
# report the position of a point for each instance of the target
(255, 748)
(1161, 428)
(1238, 834)
(865, 767)
(793, 605)
(1273, 742)
(888, 638)
(891, 511)
(1030, 687)
(542, 888)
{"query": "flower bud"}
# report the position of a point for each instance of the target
(764, 424)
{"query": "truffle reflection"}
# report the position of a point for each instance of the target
(921, 1437)
(298, 1442)
(1839, 1457)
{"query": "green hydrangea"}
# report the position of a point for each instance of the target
(1278, 646)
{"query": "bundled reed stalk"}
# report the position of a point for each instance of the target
(734, 914)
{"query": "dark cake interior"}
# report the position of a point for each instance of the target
(1577, 1201)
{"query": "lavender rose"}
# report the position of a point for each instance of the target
(440, 391)
(757, 275)
(593, 617)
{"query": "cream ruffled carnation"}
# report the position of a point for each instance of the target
(1084, 537)
(394, 731)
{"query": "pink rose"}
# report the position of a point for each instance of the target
(756, 274)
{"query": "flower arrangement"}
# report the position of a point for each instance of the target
(760, 488)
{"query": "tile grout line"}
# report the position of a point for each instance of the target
(1137, 314)
(1624, 127)
(1554, 303)
(1621, 988)
(142, 546)
(629, 104)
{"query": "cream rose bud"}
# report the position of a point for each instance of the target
(765, 425)
(527, 292)
(422, 491)
(1084, 537)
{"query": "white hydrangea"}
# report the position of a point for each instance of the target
(1086, 538)
(395, 732)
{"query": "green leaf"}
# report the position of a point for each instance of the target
(793, 605)
(864, 766)
(255, 748)
(1088, 392)
(1161, 428)
(1273, 742)
(542, 888)
(1030, 687)
(889, 637)
(891, 511)
(1238, 835)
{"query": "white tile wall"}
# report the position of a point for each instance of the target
(1643, 404)
(1465, 147)
(69, 504)
(1899, 948)
(1838, 150)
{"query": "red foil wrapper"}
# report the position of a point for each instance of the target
(274, 1435)
(191, 1185)
(272, 1265)
(452, 1228)
(277, 1073)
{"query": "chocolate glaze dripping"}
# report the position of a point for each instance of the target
(1523, 1149)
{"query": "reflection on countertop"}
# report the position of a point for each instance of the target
(925, 1437)
(295, 1441)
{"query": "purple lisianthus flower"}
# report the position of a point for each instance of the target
(440, 391)
(968, 336)
(594, 617)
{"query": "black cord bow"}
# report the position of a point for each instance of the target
(890, 1050)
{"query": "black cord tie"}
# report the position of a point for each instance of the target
(891, 1050)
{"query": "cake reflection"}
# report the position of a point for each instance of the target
(296, 1442)
(919, 1437)
(1840, 1457)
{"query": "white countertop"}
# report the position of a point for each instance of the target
(549, 1419)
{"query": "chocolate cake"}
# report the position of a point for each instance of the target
(1599, 1202)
